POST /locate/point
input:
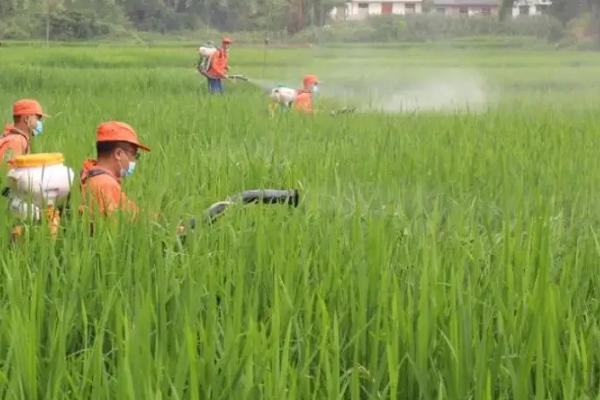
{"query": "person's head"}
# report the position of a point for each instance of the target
(28, 115)
(311, 83)
(226, 43)
(118, 146)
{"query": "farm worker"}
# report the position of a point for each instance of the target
(27, 117)
(304, 100)
(117, 148)
(219, 67)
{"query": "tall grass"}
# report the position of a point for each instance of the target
(434, 255)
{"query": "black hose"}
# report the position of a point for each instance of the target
(265, 196)
(268, 196)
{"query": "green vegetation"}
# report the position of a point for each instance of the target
(435, 254)
(572, 21)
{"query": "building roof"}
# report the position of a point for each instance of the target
(465, 3)
(532, 2)
(384, 1)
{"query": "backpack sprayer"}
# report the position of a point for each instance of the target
(205, 53)
(284, 96)
(39, 184)
(203, 66)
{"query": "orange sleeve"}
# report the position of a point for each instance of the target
(107, 196)
(12, 146)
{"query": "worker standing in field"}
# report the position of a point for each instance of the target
(304, 99)
(27, 123)
(219, 67)
(117, 148)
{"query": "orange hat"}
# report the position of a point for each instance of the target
(114, 131)
(28, 107)
(310, 80)
(227, 40)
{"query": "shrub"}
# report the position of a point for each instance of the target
(71, 24)
(12, 29)
(431, 27)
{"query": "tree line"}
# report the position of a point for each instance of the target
(81, 19)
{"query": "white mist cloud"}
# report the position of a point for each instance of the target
(440, 91)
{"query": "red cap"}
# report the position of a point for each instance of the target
(227, 40)
(310, 80)
(115, 131)
(28, 107)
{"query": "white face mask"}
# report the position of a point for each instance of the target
(125, 172)
(315, 89)
(39, 128)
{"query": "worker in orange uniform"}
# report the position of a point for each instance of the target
(219, 67)
(304, 99)
(27, 118)
(117, 147)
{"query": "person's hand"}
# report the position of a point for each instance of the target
(183, 228)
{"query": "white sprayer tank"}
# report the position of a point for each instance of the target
(37, 182)
(207, 52)
(284, 95)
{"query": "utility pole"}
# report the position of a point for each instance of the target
(301, 19)
(47, 22)
(265, 56)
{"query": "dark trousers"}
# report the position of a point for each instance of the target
(215, 86)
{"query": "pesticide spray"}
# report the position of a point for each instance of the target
(439, 91)
(442, 91)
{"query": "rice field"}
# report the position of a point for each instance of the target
(447, 244)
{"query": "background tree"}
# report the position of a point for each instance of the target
(506, 7)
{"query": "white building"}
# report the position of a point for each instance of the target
(360, 9)
(530, 7)
(466, 8)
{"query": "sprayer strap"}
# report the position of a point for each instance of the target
(93, 173)
(16, 132)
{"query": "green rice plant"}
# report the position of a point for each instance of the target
(435, 254)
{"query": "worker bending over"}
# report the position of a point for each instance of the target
(304, 99)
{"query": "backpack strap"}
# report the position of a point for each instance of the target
(7, 137)
(92, 173)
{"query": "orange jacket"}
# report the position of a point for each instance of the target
(13, 143)
(219, 64)
(101, 191)
(303, 102)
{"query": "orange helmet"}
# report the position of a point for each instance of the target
(115, 131)
(227, 40)
(28, 107)
(310, 80)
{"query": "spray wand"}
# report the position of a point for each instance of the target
(290, 197)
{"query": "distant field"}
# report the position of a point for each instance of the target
(445, 248)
